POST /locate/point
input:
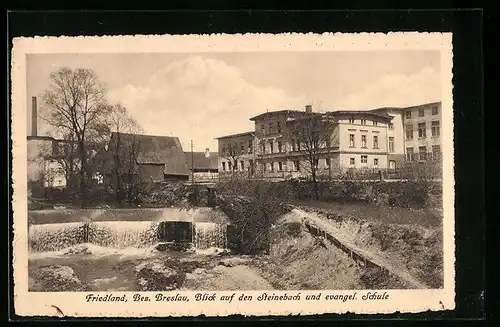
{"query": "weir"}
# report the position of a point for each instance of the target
(125, 234)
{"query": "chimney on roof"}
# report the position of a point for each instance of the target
(34, 118)
(207, 153)
(309, 108)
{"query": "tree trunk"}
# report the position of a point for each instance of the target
(315, 184)
(82, 175)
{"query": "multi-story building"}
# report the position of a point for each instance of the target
(368, 139)
(422, 132)
(237, 153)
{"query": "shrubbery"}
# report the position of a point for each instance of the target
(253, 208)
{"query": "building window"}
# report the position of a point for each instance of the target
(280, 166)
(271, 164)
(391, 143)
(224, 166)
(271, 128)
(409, 132)
(409, 154)
(435, 110)
(363, 121)
(235, 165)
(392, 164)
(375, 162)
(363, 141)
(271, 146)
(298, 145)
(421, 131)
(352, 161)
(421, 113)
(280, 149)
(391, 126)
(279, 127)
(435, 128)
(242, 165)
(328, 162)
(263, 147)
(352, 143)
(408, 114)
(242, 147)
(293, 145)
(224, 150)
(364, 159)
(436, 152)
(422, 153)
(375, 123)
(351, 120)
(316, 163)
(297, 165)
(375, 142)
(250, 146)
(230, 166)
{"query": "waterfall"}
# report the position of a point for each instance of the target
(209, 235)
(116, 234)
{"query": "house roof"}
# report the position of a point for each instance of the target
(234, 135)
(381, 114)
(404, 108)
(285, 111)
(200, 161)
(158, 150)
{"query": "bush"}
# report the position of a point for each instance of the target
(253, 207)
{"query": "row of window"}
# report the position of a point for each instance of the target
(364, 161)
(270, 166)
(234, 148)
(352, 141)
(422, 154)
(422, 130)
(421, 112)
(362, 121)
(272, 128)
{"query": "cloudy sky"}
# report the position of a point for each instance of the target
(202, 96)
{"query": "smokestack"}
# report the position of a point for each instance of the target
(34, 118)
(309, 108)
(207, 153)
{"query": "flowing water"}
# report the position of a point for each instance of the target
(125, 234)
(209, 235)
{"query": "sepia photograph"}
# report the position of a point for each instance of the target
(216, 171)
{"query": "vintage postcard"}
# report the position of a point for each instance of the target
(257, 174)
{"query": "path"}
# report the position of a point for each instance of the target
(324, 225)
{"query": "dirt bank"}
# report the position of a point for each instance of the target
(409, 248)
(300, 261)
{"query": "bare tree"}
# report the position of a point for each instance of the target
(76, 105)
(233, 154)
(311, 136)
(124, 152)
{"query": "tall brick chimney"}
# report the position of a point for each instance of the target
(34, 117)
(309, 108)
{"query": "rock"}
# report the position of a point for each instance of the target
(156, 275)
(54, 278)
(232, 262)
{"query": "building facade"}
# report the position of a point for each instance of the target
(422, 132)
(377, 139)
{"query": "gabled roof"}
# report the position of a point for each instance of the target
(158, 150)
(200, 161)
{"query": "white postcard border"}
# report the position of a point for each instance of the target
(73, 304)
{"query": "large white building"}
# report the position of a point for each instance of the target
(383, 138)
